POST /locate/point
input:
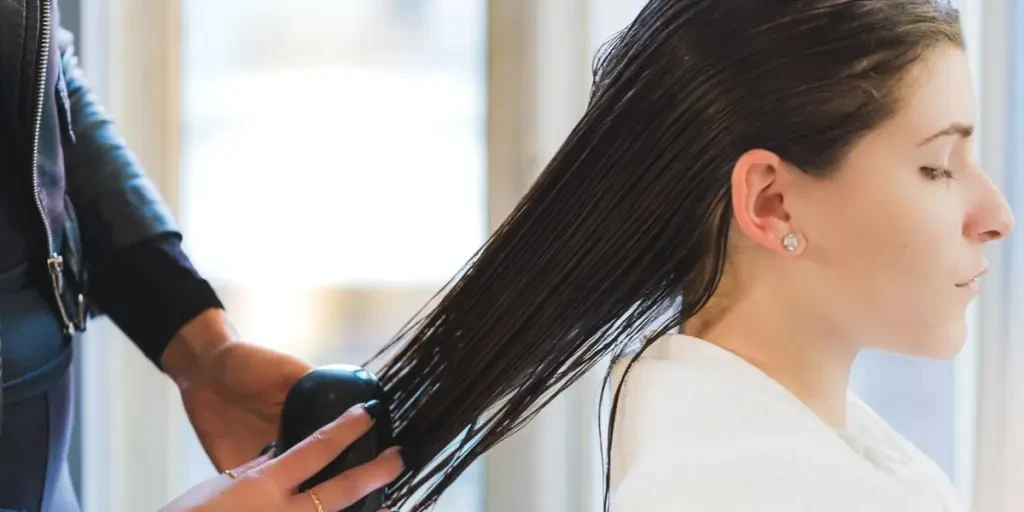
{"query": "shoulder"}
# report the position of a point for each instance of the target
(724, 478)
(692, 440)
(707, 433)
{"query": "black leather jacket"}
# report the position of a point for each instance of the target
(90, 193)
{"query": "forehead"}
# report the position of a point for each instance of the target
(936, 93)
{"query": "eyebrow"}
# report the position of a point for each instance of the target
(963, 130)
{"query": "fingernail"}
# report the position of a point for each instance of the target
(267, 449)
(373, 408)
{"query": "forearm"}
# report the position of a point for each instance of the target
(196, 340)
(155, 295)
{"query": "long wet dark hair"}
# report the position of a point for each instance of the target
(633, 212)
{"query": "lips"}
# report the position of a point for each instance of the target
(972, 282)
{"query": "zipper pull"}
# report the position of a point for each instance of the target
(56, 265)
(81, 312)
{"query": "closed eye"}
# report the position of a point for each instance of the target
(935, 173)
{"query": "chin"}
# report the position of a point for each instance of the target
(944, 345)
(946, 349)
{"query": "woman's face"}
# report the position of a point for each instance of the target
(894, 240)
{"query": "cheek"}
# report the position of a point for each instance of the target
(885, 253)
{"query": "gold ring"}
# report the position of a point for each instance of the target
(316, 501)
(230, 473)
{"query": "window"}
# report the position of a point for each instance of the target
(333, 168)
(331, 142)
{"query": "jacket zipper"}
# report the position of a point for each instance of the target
(54, 263)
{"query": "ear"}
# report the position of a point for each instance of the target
(758, 201)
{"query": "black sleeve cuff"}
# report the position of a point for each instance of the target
(150, 290)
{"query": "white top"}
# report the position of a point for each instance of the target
(700, 429)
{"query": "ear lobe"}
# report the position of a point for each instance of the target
(758, 200)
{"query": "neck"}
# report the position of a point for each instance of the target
(811, 362)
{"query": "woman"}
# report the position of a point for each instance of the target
(788, 181)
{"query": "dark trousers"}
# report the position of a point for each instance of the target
(33, 452)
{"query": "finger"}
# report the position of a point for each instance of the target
(354, 484)
(308, 457)
(246, 468)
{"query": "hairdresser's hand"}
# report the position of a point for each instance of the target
(270, 484)
(232, 391)
(235, 407)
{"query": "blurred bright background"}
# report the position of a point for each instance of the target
(334, 162)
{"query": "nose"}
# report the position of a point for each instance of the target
(992, 218)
